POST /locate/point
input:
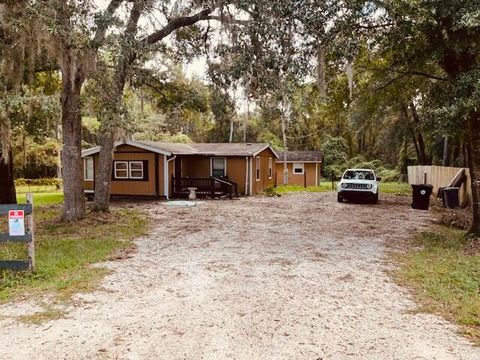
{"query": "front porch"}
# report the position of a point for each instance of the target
(212, 187)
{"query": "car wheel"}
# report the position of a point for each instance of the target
(375, 199)
(339, 198)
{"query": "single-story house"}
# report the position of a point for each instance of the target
(304, 167)
(167, 170)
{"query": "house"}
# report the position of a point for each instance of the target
(304, 167)
(168, 170)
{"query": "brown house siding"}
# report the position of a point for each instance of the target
(265, 181)
(236, 171)
(310, 171)
(153, 187)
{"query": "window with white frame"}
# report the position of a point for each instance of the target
(298, 168)
(135, 169)
(257, 168)
(120, 169)
(88, 169)
(270, 167)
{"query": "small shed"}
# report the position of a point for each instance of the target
(304, 167)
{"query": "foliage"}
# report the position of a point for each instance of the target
(445, 278)
(53, 182)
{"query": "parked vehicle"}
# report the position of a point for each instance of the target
(358, 184)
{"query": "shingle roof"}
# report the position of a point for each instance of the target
(311, 156)
(212, 149)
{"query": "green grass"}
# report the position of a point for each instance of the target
(64, 252)
(42, 195)
(445, 278)
(285, 189)
(395, 188)
(388, 188)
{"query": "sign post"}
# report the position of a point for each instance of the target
(21, 228)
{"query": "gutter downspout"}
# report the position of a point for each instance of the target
(246, 175)
(167, 180)
(251, 175)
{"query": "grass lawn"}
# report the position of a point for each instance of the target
(445, 278)
(285, 189)
(42, 195)
(389, 188)
(395, 188)
(64, 252)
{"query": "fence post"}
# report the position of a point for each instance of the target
(31, 228)
(304, 179)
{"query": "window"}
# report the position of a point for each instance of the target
(219, 167)
(136, 169)
(88, 168)
(270, 167)
(257, 168)
(298, 168)
(120, 169)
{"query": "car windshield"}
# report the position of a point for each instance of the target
(358, 175)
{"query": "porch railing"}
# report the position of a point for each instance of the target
(206, 187)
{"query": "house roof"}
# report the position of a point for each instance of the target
(212, 149)
(302, 156)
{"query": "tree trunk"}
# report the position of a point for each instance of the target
(72, 80)
(473, 149)
(284, 138)
(445, 159)
(7, 185)
(103, 173)
(421, 143)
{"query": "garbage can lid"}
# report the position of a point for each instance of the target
(451, 188)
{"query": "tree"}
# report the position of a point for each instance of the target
(67, 23)
(444, 34)
(131, 50)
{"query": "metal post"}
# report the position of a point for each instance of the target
(31, 229)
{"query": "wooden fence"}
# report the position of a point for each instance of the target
(21, 216)
(440, 176)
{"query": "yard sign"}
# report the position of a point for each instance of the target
(20, 229)
(16, 223)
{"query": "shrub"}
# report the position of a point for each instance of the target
(39, 182)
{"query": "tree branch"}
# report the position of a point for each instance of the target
(175, 24)
(103, 26)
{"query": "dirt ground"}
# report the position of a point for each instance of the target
(296, 277)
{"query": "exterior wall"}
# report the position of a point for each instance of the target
(153, 187)
(236, 171)
(265, 181)
(195, 166)
(310, 171)
(133, 187)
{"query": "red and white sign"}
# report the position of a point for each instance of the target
(16, 223)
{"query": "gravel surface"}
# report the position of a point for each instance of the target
(296, 277)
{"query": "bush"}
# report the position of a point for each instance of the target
(271, 192)
(40, 182)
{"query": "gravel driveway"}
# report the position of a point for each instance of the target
(296, 277)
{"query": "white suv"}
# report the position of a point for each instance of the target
(358, 184)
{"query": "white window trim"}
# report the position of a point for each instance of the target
(270, 168)
(85, 160)
(130, 170)
(224, 165)
(257, 168)
(298, 165)
(115, 170)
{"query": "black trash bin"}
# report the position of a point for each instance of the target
(421, 196)
(450, 197)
